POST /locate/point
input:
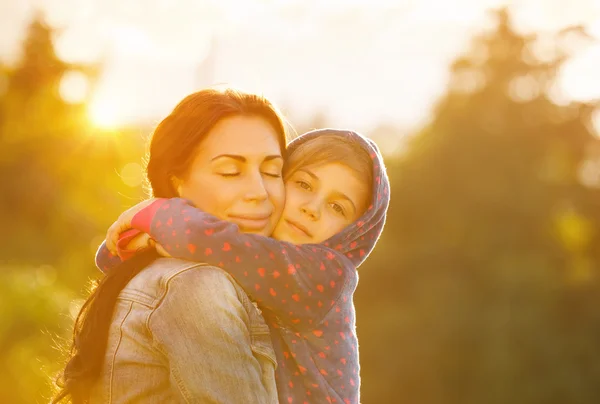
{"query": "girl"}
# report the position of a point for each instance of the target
(337, 194)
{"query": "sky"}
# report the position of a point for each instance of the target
(359, 62)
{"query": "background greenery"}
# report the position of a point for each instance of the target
(483, 289)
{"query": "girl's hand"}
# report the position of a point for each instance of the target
(159, 248)
(124, 223)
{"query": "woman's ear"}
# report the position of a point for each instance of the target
(177, 184)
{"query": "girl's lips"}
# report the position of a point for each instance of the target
(299, 228)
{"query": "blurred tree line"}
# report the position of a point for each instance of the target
(61, 187)
(483, 289)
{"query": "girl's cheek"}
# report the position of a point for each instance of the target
(291, 195)
(338, 224)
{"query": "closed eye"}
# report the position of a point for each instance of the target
(273, 175)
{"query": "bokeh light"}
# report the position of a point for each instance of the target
(523, 88)
(580, 77)
(74, 87)
(490, 259)
(132, 174)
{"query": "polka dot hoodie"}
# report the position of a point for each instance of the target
(304, 291)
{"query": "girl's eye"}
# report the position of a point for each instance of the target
(303, 185)
(338, 209)
(229, 174)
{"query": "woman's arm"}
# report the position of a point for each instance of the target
(297, 283)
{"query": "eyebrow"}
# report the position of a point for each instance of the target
(243, 159)
(341, 194)
(304, 170)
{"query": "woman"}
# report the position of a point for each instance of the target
(185, 335)
(336, 194)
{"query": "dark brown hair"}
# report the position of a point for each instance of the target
(172, 149)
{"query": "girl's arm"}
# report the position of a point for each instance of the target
(297, 283)
(106, 260)
(130, 242)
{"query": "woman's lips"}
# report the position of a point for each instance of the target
(251, 222)
(298, 228)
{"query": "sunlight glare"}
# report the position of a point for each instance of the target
(104, 114)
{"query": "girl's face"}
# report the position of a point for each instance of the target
(236, 175)
(320, 202)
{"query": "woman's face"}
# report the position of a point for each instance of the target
(320, 202)
(236, 175)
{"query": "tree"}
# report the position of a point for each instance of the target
(58, 199)
(491, 243)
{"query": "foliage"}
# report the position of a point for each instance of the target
(483, 289)
(60, 191)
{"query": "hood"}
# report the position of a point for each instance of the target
(358, 239)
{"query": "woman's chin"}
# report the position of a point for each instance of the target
(266, 231)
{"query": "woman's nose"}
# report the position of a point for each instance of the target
(256, 189)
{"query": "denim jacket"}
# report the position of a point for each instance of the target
(184, 332)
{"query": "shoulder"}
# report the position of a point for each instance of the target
(151, 284)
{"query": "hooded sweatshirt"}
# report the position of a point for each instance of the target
(304, 291)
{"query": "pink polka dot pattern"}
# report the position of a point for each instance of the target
(305, 291)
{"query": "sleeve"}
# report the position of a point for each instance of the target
(299, 284)
(204, 330)
(105, 260)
